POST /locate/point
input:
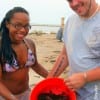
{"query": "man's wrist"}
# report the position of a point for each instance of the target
(85, 76)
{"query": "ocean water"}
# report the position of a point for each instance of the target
(44, 28)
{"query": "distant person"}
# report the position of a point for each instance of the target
(17, 55)
(59, 34)
(81, 51)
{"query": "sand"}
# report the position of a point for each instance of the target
(48, 48)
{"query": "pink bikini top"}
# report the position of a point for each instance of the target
(11, 68)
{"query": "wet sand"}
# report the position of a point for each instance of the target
(48, 48)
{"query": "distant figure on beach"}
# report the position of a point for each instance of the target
(17, 56)
(81, 51)
(59, 34)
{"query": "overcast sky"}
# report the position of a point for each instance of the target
(41, 11)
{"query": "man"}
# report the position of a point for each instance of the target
(81, 50)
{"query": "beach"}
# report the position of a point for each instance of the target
(48, 48)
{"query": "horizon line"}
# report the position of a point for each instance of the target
(48, 25)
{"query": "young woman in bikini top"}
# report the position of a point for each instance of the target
(17, 55)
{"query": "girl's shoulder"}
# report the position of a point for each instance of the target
(30, 44)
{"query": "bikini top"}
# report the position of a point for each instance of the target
(15, 66)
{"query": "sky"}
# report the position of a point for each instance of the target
(41, 11)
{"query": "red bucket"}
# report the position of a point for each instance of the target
(52, 85)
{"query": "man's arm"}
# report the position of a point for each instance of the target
(60, 64)
(93, 75)
(78, 80)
